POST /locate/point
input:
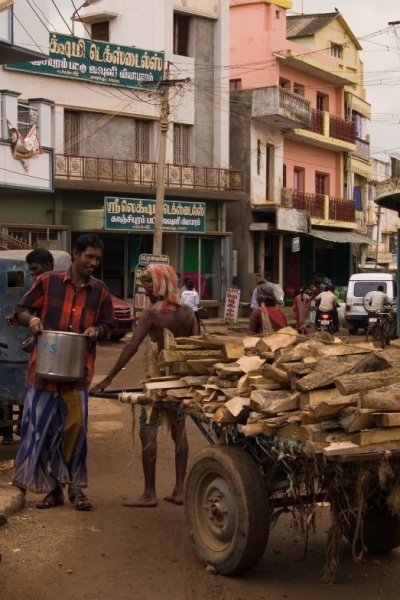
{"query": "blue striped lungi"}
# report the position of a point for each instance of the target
(53, 447)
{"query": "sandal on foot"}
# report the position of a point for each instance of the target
(79, 500)
(53, 498)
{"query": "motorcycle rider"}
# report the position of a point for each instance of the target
(378, 299)
(326, 301)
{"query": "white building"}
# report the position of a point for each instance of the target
(100, 100)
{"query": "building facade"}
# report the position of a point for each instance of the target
(115, 77)
(298, 126)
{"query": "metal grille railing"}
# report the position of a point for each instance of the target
(317, 121)
(96, 169)
(313, 203)
(342, 209)
(342, 129)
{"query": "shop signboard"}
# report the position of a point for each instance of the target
(140, 300)
(134, 214)
(296, 244)
(96, 62)
(232, 300)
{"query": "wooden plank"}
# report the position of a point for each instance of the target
(353, 418)
(164, 384)
(179, 393)
(274, 406)
(351, 383)
(386, 398)
(377, 436)
(274, 373)
(237, 404)
(385, 419)
(169, 357)
(350, 448)
(326, 371)
(332, 404)
(250, 363)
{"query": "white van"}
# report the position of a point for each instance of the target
(359, 285)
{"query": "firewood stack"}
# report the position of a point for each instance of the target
(333, 396)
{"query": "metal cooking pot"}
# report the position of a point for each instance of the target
(60, 355)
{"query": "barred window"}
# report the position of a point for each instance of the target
(142, 141)
(181, 144)
(72, 130)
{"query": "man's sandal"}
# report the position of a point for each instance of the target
(53, 498)
(79, 500)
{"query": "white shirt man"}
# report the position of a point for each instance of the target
(327, 301)
(378, 299)
(191, 298)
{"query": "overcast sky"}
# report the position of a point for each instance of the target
(368, 20)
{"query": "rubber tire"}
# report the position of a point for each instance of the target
(381, 529)
(353, 330)
(226, 478)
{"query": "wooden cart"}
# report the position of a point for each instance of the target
(247, 476)
(238, 486)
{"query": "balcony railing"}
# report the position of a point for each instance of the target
(317, 121)
(294, 103)
(313, 203)
(331, 126)
(342, 129)
(111, 170)
(326, 208)
(342, 209)
(8, 242)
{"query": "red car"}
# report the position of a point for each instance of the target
(123, 318)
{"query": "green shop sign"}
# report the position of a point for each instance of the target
(138, 215)
(97, 62)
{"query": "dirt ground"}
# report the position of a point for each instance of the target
(120, 553)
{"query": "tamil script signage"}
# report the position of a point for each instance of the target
(131, 214)
(232, 300)
(96, 62)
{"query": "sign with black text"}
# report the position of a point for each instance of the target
(231, 305)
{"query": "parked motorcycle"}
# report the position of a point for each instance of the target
(325, 322)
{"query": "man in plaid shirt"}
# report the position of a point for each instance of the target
(53, 446)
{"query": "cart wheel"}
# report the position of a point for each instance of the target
(381, 529)
(227, 509)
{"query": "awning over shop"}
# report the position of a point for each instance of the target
(342, 237)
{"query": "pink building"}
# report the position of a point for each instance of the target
(297, 128)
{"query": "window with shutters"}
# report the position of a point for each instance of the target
(181, 34)
(181, 144)
(101, 31)
(72, 131)
(142, 141)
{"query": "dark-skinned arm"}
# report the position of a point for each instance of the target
(129, 350)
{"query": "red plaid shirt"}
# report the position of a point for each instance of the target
(62, 307)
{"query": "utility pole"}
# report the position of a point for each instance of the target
(164, 123)
(378, 218)
(159, 209)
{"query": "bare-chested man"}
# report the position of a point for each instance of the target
(165, 312)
